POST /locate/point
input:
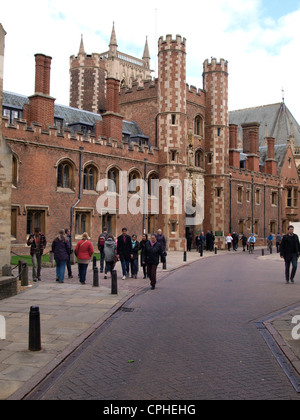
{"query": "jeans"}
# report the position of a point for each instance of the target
(60, 270)
(102, 257)
(36, 266)
(82, 268)
(294, 260)
(134, 265)
(125, 267)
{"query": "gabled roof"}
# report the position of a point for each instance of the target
(275, 121)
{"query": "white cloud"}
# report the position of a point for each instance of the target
(262, 51)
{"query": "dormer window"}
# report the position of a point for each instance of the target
(11, 113)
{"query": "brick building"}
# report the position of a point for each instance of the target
(225, 171)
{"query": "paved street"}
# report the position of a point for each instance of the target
(194, 337)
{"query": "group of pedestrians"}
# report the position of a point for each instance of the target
(233, 241)
(127, 249)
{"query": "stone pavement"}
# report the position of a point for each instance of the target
(71, 312)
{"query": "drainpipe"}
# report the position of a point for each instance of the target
(79, 193)
(145, 195)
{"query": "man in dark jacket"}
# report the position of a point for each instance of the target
(152, 254)
(289, 250)
(124, 251)
(37, 243)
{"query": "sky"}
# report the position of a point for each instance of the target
(260, 39)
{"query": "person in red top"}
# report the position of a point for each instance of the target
(84, 251)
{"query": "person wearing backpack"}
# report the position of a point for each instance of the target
(101, 243)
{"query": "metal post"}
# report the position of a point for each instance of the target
(184, 256)
(95, 277)
(94, 262)
(34, 329)
(24, 274)
(263, 252)
(114, 283)
(216, 250)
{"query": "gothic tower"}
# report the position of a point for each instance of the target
(215, 82)
(172, 133)
(87, 81)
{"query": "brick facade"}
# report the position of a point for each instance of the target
(190, 138)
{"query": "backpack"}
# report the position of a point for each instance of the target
(101, 240)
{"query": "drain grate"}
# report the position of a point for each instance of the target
(124, 309)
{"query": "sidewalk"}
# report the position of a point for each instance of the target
(69, 314)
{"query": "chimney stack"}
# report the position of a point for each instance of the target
(41, 104)
(251, 145)
(234, 154)
(271, 163)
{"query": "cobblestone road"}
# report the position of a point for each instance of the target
(192, 338)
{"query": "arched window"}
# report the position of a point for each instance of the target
(113, 180)
(153, 189)
(199, 159)
(90, 178)
(65, 175)
(133, 183)
(199, 126)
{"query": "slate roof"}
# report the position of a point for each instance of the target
(276, 118)
(71, 115)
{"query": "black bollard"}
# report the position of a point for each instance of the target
(114, 283)
(201, 251)
(24, 274)
(95, 277)
(34, 329)
(184, 256)
(94, 262)
(263, 252)
(216, 250)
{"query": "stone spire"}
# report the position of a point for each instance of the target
(113, 45)
(81, 48)
(146, 55)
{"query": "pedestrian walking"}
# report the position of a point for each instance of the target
(209, 241)
(289, 251)
(244, 242)
(229, 240)
(69, 268)
(110, 248)
(278, 241)
(134, 257)
(235, 241)
(37, 242)
(161, 239)
(84, 251)
(101, 243)
(270, 242)
(153, 253)
(189, 241)
(61, 249)
(142, 248)
(124, 248)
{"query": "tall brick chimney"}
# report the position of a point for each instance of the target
(251, 145)
(112, 120)
(271, 163)
(41, 104)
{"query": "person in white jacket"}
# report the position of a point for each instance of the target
(229, 240)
